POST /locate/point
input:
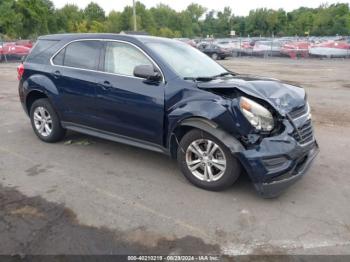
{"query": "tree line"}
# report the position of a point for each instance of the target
(31, 18)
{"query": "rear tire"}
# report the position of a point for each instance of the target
(45, 122)
(216, 169)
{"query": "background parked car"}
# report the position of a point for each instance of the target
(331, 49)
(214, 51)
(296, 49)
(26, 43)
(14, 50)
(187, 41)
(265, 48)
(233, 45)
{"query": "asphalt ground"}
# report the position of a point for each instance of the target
(90, 196)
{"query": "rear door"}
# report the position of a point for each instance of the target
(75, 75)
(128, 105)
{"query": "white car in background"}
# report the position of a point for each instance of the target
(331, 49)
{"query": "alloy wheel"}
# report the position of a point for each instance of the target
(206, 160)
(42, 121)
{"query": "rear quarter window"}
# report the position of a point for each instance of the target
(42, 51)
(59, 58)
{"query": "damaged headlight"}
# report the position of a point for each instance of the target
(257, 115)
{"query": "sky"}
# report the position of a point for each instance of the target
(241, 7)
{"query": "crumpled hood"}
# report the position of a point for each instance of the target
(282, 96)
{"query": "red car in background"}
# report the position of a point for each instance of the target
(296, 49)
(26, 43)
(15, 50)
(247, 47)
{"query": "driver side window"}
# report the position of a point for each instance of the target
(122, 58)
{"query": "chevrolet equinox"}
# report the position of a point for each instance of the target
(164, 95)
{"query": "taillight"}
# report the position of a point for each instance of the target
(20, 71)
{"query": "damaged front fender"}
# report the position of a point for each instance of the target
(217, 111)
(210, 127)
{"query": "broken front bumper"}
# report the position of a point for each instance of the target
(276, 186)
(278, 162)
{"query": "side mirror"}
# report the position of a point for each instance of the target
(147, 72)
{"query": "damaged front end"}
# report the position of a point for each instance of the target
(274, 125)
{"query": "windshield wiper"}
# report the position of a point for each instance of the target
(199, 78)
(207, 78)
(222, 74)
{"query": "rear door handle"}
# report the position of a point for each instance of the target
(56, 74)
(105, 85)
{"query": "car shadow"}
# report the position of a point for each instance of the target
(164, 164)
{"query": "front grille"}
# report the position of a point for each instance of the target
(305, 133)
(302, 110)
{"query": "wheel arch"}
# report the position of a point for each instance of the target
(39, 86)
(206, 125)
(32, 96)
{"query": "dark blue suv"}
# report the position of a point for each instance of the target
(166, 96)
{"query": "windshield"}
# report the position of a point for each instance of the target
(186, 61)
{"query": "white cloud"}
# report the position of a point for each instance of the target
(238, 7)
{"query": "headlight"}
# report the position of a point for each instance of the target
(257, 115)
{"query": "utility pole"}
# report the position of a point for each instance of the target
(134, 15)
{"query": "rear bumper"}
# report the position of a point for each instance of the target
(278, 162)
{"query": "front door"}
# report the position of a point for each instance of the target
(128, 105)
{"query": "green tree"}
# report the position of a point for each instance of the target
(300, 21)
(209, 24)
(10, 20)
(196, 11)
(34, 16)
(164, 16)
(224, 22)
(165, 32)
(68, 17)
(331, 20)
(93, 12)
(145, 20)
(113, 23)
(257, 22)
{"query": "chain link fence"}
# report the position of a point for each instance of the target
(289, 47)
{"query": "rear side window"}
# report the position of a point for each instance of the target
(81, 54)
(59, 58)
(42, 51)
(122, 58)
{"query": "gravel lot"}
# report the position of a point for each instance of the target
(90, 196)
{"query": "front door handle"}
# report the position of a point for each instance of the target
(56, 74)
(105, 85)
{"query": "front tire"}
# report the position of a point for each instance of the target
(206, 162)
(215, 56)
(45, 121)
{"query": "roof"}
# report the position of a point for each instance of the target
(126, 37)
(134, 33)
